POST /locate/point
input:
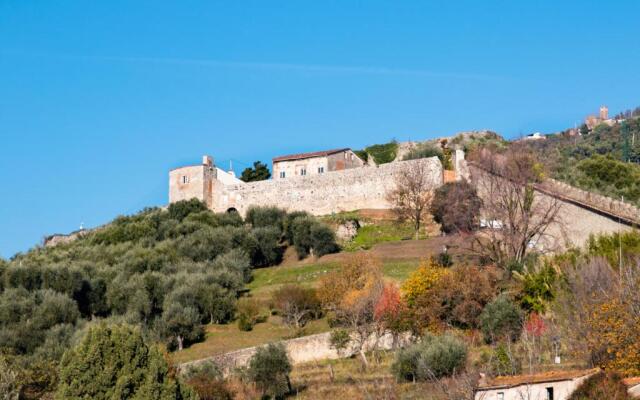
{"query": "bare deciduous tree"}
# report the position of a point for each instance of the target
(517, 216)
(412, 194)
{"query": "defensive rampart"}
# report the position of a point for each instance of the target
(331, 192)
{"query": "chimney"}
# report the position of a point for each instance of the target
(207, 161)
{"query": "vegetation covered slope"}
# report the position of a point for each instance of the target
(605, 160)
(167, 271)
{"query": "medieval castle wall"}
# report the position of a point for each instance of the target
(318, 194)
(327, 193)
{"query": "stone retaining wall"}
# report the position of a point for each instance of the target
(300, 350)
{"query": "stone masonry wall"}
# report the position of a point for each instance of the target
(335, 191)
(300, 350)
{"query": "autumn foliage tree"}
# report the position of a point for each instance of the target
(352, 293)
(422, 280)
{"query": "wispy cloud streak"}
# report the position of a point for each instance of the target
(309, 68)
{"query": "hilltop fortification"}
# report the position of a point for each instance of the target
(319, 194)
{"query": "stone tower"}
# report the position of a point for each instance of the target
(604, 113)
(194, 181)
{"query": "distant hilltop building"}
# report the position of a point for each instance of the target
(535, 136)
(316, 163)
(320, 183)
(602, 118)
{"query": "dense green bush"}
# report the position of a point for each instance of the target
(609, 246)
(269, 369)
(537, 289)
(167, 271)
(114, 362)
(260, 217)
(433, 357)
(309, 235)
(383, 153)
(501, 319)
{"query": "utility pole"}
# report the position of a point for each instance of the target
(626, 148)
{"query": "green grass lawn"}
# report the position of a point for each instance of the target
(381, 232)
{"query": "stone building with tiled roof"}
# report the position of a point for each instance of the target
(315, 163)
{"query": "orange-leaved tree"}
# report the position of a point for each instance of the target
(422, 280)
(352, 293)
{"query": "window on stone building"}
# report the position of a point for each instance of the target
(500, 396)
(185, 179)
(303, 171)
(282, 174)
(321, 170)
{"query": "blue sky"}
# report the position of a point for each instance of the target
(98, 100)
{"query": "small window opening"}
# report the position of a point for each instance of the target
(549, 393)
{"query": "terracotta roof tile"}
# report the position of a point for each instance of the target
(549, 376)
(302, 156)
(633, 381)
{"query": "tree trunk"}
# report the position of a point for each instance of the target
(365, 362)
(180, 342)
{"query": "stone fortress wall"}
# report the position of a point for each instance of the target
(318, 194)
(323, 194)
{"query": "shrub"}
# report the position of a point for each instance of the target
(207, 381)
(260, 217)
(456, 207)
(114, 362)
(433, 357)
(501, 319)
(288, 224)
(301, 228)
(340, 339)
(537, 289)
(422, 280)
(181, 325)
(181, 209)
(423, 150)
(297, 305)
(269, 369)
(206, 244)
(323, 240)
(383, 153)
(249, 314)
(503, 361)
(602, 386)
(267, 250)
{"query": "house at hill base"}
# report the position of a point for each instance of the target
(551, 385)
(315, 163)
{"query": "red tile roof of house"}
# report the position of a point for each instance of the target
(302, 156)
(549, 376)
(633, 381)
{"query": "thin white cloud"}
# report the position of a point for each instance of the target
(307, 67)
(316, 68)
